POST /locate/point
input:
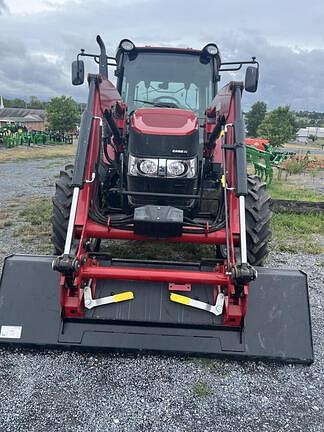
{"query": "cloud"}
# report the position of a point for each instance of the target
(3, 6)
(36, 50)
(23, 72)
(287, 76)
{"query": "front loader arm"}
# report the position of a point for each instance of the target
(225, 143)
(103, 100)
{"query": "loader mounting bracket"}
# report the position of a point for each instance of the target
(242, 274)
(66, 264)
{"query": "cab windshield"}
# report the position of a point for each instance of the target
(167, 79)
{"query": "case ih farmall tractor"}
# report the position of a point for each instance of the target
(160, 158)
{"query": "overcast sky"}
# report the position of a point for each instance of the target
(40, 38)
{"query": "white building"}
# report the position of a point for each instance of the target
(303, 135)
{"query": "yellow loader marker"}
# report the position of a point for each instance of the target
(216, 309)
(90, 302)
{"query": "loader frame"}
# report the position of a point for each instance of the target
(102, 96)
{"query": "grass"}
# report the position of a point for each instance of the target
(45, 152)
(298, 233)
(5, 219)
(283, 190)
(35, 226)
(201, 389)
(7, 223)
(37, 212)
(294, 166)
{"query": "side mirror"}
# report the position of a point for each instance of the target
(77, 72)
(251, 79)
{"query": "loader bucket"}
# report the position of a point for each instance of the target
(277, 326)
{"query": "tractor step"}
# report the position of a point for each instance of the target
(277, 326)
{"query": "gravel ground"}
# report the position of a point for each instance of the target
(24, 178)
(64, 391)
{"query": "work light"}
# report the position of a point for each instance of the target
(211, 49)
(127, 45)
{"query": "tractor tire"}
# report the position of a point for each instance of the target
(62, 201)
(257, 219)
(258, 215)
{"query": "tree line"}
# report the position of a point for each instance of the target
(33, 103)
(279, 125)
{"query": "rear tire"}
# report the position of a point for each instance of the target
(258, 215)
(62, 201)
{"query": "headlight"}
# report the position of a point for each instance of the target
(182, 168)
(186, 168)
(148, 166)
(139, 166)
(175, 168)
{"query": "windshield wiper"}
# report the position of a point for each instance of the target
(159, 103)
(145, 101)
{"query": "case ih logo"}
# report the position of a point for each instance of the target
(179, 151)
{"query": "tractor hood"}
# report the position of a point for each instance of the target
(163, 132)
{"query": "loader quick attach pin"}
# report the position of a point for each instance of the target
(90, 303)
(216, 309)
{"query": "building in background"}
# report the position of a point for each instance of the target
(32, 119)
(304, 135)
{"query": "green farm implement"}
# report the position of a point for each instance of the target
(264, 161)
(15, 135)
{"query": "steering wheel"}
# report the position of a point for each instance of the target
(174, 104)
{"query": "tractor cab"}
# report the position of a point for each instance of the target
(167, 77)
(166, 136)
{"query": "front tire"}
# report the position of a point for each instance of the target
(62, 201)
(258, 215)
(257, 219)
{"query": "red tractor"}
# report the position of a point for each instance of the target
(161, 157)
